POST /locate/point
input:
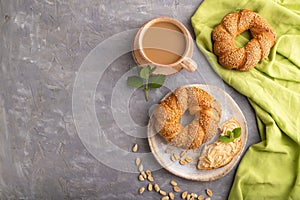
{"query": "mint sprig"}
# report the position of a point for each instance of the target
(231, 135)
(146, 80)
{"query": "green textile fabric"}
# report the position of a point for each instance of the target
(269, 169)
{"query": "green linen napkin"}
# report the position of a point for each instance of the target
(269, 169)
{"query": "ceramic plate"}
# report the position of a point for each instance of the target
(189, 171)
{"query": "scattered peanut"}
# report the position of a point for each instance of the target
(173, 183)
(171, 195)
(165, 198)
(189, 159)
(188, 197)
(141, 167)
(168, 196)
(200, 197)
(176, 189)
(141, 178)
(156, 187)
(144, 174)
(150, 178)
(169, 150)
(182, 162)
(209, 192)
(176, 156)
(141, 190)
(173, 158)
(135, 148)
(184, 195)
(150, 186)
(194, 195)
(137, 161)
(162, 192)
(148, 172)
(182, 154)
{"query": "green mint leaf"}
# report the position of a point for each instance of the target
(139, 70)
(135, 81)
(237, 132)
(156, 81)
(231, 135)
(146, 80)
(152, 70)
(224, 139)
(145, 72)
(146, 94)
(228, 133)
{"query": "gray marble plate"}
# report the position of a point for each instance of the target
(189, 171)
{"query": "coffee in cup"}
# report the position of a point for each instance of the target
(166, 44)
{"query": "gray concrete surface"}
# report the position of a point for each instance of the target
(42, 47)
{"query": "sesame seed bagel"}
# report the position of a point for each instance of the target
(247, 57)
(206, 111)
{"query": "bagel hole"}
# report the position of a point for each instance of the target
(186, 118)
(242, 39)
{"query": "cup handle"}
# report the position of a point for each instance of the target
(189, 64)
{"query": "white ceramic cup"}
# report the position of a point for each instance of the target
(184, 57)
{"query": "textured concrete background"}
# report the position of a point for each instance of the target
(42, 46)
